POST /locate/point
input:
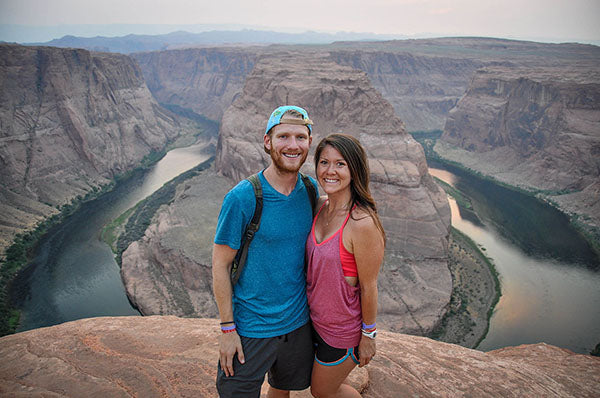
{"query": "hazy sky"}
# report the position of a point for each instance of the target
(561, 20)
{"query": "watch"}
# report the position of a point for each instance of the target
(372, 334)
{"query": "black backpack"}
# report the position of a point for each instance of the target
(242, 253)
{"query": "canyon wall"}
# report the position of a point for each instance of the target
(204, 80)
(422, 79)
(537, 128)
(421, 88)
(415, 282)
(70, 121)
(175, 357)
(169, 270)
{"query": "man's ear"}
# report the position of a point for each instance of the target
(267, 141)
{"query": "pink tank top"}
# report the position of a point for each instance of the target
(334, 304)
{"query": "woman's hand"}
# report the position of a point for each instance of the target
(366, 350)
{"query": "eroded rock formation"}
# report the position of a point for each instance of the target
(71, 120)
(169, 270)
(175, 357)
(421, 88)
(537, 128)
(415, 282)
(204, 80)
(327, 80)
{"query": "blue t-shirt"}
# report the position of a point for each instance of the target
(269, 298)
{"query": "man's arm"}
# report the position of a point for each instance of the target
(229, 343)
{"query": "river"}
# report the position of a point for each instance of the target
(550, 277)
(74, 274)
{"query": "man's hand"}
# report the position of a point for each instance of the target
(229, 345)
(366, 350)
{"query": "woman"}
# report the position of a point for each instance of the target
(344, 252)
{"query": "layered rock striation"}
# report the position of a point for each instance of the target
(204, 80)
(537, 128)
(415, 282)
(339, 86)
(421, 88)
(169, 270)
(422, 79)
(175, 357)
(71, 120)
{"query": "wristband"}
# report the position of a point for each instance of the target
(365, 326)
(371, 334)
(226, 323)
(228, 329)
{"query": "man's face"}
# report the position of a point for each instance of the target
(289, 144)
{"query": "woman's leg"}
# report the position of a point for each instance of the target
(328, 381)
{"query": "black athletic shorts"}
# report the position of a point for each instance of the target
(288, 359)
(331, 356)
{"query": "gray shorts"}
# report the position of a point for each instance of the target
(288, 359)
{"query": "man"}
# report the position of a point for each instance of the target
(264, 317)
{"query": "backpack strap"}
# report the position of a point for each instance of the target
(241, 255)
(311, 191)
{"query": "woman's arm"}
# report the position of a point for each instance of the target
(368, 248)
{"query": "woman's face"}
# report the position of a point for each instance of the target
(333, 172)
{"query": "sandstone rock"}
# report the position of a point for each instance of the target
(420, 78)
(169, 271)
(176, 357)
(71, 120)
(204, 80)
(537, 128)
(421, 88)
(415, 282)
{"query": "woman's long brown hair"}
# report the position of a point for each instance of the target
(354, 154)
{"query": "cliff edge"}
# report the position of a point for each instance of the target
(535, 128)
(175, 357)
(71, 121)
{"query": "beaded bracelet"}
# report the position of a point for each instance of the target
(228, 329)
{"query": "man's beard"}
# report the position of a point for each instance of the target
(279, 163)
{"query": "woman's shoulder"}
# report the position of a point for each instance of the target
(361, 220)
(364, 232)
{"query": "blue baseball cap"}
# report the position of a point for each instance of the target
(275, 118)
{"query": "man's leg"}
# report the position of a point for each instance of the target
(293, 367)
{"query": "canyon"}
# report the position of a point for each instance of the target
(415, 283)
(524, 113)
(203, 80)
(71, 121)
(467, 87)
(535, 128)
(368, 90)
